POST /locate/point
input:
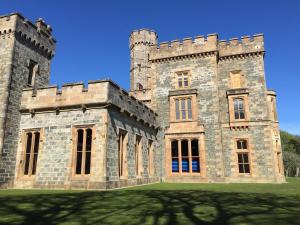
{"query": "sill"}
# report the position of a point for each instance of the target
(26, 177)
(123, 177)
(80, 177)
(244, 174)
(183, 121)
(186, 174)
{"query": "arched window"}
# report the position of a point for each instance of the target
(239, 110)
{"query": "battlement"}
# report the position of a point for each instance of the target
(186, 46)
(246, 44)
(99, 93)
(202, 45)
(142, 36)
(37, 36)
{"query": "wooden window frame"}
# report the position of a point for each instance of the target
(24, 140)
(83, 160)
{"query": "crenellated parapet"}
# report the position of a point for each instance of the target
(74, 96)
(245, 46)
(142, 36)
(36, 36)
(186, 47)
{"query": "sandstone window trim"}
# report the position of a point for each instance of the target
(273, 109)
(239, 108)
(33, 69)
(243, 156)
(183, 79)
(183, 108)
(237, 79)
(122, 153)
(235, 113)
(184, 161)
(83, 150)
(30, 152)
(138, 146)
(150, 154)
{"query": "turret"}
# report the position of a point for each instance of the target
(139, 43)
(26, 50)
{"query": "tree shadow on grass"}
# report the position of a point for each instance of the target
(149, 207)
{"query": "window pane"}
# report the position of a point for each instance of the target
(236, 104)
(87, 162)
(239, 144)
(245, 157)
(79, 140)
(241, 168)
(236, 115)
(195, 150)
(79, 151)
(189, 108)
(242, 115)
(175, 165)
(183, 110)
(184, 148)
(186, 82)
(239, 109)
(88, 140)
(30, 74)
(174, 148)
(78, 162)
(195, 165)
(29, 139)
(177, 109)
(240, 158)
(179, 81)
(88, 149)
(27, 154)
(185, 165)
(36, 149)
(36, 142)
(247, 168)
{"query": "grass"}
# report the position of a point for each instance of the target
(157, 204)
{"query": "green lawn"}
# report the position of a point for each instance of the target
(157, 204)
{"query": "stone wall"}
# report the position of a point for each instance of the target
(54, 167)
(116, 122)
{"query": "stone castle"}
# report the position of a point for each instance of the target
(198, 110)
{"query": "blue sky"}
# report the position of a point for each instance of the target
(92, 37)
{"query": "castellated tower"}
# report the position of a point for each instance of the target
(26, 50)
(139, 43)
